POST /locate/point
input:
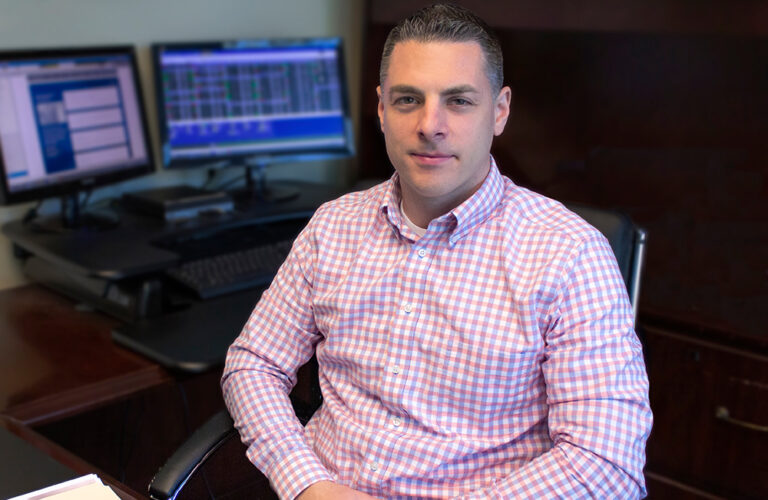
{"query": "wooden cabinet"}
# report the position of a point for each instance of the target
(710, 404)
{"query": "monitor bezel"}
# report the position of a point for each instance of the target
(260, 157)
(89, 180)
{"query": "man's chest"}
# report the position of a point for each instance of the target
(430, 295)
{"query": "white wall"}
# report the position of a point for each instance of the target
(64, 23)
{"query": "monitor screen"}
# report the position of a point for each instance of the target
(70, 119)
(269, 100)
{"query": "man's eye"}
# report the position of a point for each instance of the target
(406, 100)
(460, 101)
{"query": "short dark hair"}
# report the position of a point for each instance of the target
(447, 23)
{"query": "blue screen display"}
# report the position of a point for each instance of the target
(252, 99)
(55, 114)
(73, 119)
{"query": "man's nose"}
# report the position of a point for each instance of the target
(432, 123)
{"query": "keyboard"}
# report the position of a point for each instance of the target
(221, 260)
(225, 273)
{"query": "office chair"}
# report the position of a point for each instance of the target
(626, 239)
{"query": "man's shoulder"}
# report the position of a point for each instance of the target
(353, 206)
(357, 201)
(542, 214)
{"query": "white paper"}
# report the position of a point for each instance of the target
(87, 487)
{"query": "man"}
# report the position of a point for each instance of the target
(474, 339)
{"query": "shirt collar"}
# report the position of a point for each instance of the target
(390, 204)
(462, 219)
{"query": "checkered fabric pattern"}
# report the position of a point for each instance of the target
(494, 357)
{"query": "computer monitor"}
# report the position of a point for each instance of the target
(70, 120)
(252, 103)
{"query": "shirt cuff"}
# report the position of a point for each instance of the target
(296, 472)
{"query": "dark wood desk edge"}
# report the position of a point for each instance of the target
(75, 398)
(66, 458)
(79, 400)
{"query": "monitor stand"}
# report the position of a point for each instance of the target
(258, 190)
(71, 217)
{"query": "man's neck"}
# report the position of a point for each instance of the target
(421, 210)
(421, 213)
(419, 230)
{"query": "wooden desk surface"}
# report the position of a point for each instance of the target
(75, 464)
(57, 361)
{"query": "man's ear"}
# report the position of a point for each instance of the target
(380, 107)
(502, 110)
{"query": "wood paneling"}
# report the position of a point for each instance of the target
(690, 379)
(676, 16)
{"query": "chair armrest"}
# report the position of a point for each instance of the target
(190, 455)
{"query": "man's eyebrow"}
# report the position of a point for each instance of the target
(409, 89)
(404, 89)
(460, 89)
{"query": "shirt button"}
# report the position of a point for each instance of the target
(395, 370)
(422, 252)
(396, 422)
(373, 466)
(407, 308)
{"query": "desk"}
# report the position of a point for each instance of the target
(63, 380)
(31, 462)
(57, 361)
(131, 250)
(120, 271)
(61, 372)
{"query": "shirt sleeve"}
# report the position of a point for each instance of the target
(260, 371)
(597, 390)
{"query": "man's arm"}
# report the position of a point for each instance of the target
(597, 391)
(260, 372)
(327, 490)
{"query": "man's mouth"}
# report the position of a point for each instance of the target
(431, 158)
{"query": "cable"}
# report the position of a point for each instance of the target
(31, 213)
(225, 185)
(84, 203)
(210, 176)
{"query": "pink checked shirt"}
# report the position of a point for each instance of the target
(494, 357)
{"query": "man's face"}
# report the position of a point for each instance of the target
(439, 115)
